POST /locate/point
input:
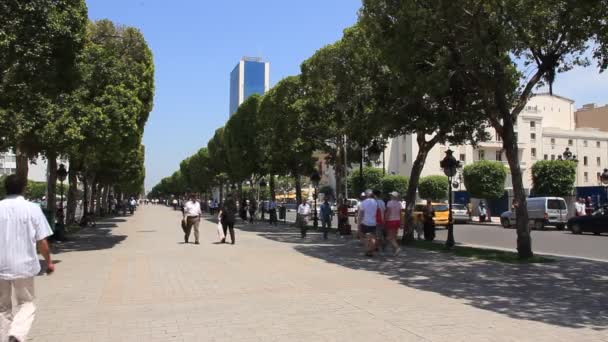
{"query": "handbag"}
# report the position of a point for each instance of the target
(220, 231)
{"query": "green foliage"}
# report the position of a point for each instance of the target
(392, 183)
(36, 190)
(372, 179)
(485, 179)
(553, 177)
(240, 137)
(434, 188)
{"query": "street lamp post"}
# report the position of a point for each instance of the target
(262, 185)
(604, 179)
(315, 178)
(62, 173)
(450, 166)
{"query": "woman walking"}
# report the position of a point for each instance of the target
(392, 219)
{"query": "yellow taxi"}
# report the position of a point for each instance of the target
(442, 213)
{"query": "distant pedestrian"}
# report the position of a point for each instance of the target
(482, 212)
(23, 230)
(302, 218)
(580, 207)
(327, 215)
(343, 224)
(392, 219)
(368, 218)
(227, 216)
(243, 210)
(589, 206)
(272, 212)
(428, 213)
(252, 209)
(192, 216)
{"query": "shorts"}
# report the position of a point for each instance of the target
(393, 225)
(368, 229)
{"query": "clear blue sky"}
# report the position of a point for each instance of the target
(197, 43)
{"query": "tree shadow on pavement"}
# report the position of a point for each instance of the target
(570, 292)
(90, 239)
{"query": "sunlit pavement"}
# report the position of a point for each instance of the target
(133, 279)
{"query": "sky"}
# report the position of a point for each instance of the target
(197, 43)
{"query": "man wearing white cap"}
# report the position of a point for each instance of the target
(367, 218)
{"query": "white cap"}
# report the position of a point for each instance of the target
(395, 194)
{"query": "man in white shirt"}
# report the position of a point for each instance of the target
(367, 217)
(302, 219)
(192, 216)
(23, 227)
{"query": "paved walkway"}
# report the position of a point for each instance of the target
(134, 280)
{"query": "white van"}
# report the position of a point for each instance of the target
(542, 212)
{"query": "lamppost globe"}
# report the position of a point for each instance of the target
(374, 151)
(449, 164)
(315, 178)
(450, 167)
(62, 173)
(262, 182)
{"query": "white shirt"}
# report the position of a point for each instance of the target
(192, 209)
(580, 208)
(369, 208)
(304, 209)
(22, 224)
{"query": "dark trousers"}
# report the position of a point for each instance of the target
(429, 230)
(229, 226)
(326, 224)
(273, 216)
(251, 215)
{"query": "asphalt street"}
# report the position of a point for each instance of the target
(546, 241)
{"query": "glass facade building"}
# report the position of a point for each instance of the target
(250, 76)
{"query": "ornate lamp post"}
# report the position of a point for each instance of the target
(315, 178)
(450, 167)
(604, 179)
(62, 173)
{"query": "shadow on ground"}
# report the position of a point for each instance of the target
(91, 238)
(570, 292)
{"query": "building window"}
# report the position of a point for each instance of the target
(546, 157)
(599, 161)
(585, 143)
(533, 153)
(532, 125)
(570, 142)
(552, 141)
(585, 161)
(463, 157)
(586, 175)
(598, 144)
(533, 136)
(499, 155)
(481, 154)
(553, 157)
(405, 157)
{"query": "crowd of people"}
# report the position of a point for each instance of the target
(585, 206)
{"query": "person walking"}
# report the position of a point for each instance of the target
(192, 215)
(227, 217)
(580, 207)
(302, 218)
(429, 224)
(327, 215)
(23, 229)
(272, 212)
(482, 212)
(380, 231)
(392, 219)
(368, 212)
(252, 209)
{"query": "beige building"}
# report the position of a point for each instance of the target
(545, 128)
(592, 116)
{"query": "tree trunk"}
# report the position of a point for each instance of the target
(104, 199)
(339, 168)
(72, 194)
(85, 196)
(51, 186)
(524, 239)
(361, 179)
(298, 188)
(410, 198)
(221, 201)
(93, 203)
(273, 195)
(22, 162)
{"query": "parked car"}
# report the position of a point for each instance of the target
(595, 223)
(460, 213)
(353, 205)
(542, 211)
(442, 213)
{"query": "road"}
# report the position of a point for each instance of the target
(133, 279)
(547, 241)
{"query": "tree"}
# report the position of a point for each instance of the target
(485, 179)
(285, 135)
(392, 183)
(39, 44)
(372, 178)
(553, 177)
(431, 95)
(434, 188)
(512, 48)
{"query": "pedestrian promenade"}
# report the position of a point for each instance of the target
(133, 279)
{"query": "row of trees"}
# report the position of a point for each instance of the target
(443, 71)
(76, 90)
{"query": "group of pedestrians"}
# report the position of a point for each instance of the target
(585, 207)
(192, 213)
(379, 222)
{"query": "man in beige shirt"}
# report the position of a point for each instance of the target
(192, 216)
